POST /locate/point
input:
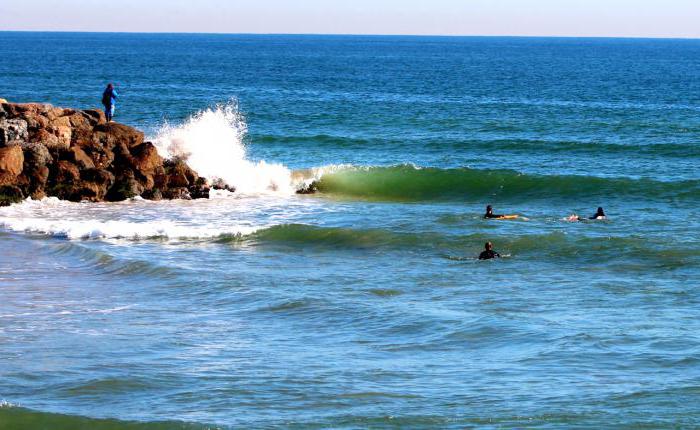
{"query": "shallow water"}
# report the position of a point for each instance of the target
(363, 306)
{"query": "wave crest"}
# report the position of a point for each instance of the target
(212, 143)
(411, 183)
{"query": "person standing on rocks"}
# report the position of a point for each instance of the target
(109, 100)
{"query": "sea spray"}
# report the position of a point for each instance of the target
(212, 143)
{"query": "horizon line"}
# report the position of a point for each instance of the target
(359, 34)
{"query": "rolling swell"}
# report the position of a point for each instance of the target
(410, 183)
(12, 417)
(555, 245)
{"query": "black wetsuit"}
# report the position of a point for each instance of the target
(487, 216)
(600, 214)
(489, 254)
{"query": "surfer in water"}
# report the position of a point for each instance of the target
(489, 253)
(490, 215)
(599, 216)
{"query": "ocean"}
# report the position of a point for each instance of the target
(364, 305)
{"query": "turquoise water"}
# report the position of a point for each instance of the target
(363, 306)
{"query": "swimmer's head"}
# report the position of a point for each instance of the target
(489, 209)
(600, 212)
(488, 246)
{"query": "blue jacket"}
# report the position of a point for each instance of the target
(112, 97)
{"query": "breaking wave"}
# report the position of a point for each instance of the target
(212, 143)
(410, 183)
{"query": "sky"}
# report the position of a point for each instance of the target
(613, 18)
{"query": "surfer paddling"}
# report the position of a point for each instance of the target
(599, 216)
(488, 253)
(490, 215)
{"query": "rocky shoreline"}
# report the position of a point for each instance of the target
(75, 155)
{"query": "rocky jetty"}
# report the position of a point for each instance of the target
(76, 155)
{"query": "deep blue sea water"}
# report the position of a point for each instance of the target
(363, 306)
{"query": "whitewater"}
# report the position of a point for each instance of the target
(212, 142)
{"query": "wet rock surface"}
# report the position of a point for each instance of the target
(76, 155)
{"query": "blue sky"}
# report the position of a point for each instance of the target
(628, 18)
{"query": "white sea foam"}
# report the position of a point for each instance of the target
(212, 143)
(136, 219)
(95, 229)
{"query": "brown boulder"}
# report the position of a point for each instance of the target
(63, 121)
(36, 123)
(22, 109)
(35, 173)
(52, 112)
(94, 116)
(179, 173)
(146, 158)
(177, 193)
(125, 187)
(67, 172)
(10, 194)
(178, 180)
(11, 164)
(48, 139)
(94, 185)
(98, 176)
(76, 155)
(111, 133)
(80, 121)
(36, 154)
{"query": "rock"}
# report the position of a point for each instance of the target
(152, 194)
(11, 164)
(146, 158)
(36, 123)
(125, 187)
(94, 117)
(112, 133)
(36, 172)
(311, 188)
(98, 176)
(10, 194)
(80, 158)
(13, 130)
(67, 173)
(36, 154)
(75, 155)
(63, 130)
(177, 193)
(48, 139)
(219, 184)
(95, 184)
